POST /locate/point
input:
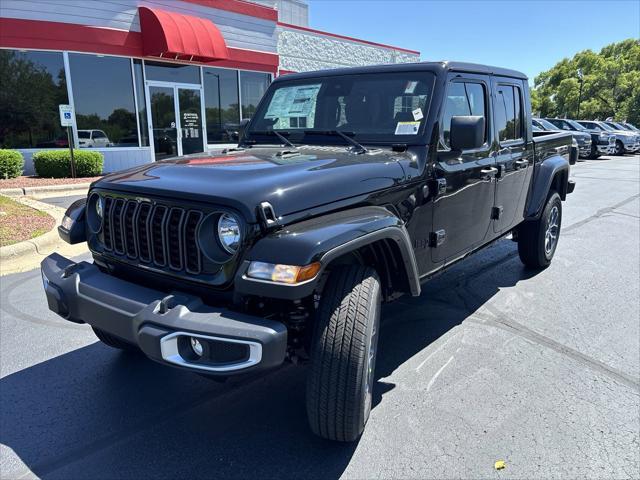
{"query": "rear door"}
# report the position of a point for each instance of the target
(513, 160)
(462, 208)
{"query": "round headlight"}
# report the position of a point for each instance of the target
(229, 232)
(95, 210)
(99, 206)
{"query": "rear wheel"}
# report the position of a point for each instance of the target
(113, 341)
(619, 148)
(343, 354)
(538, 240)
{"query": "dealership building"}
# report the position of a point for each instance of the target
(148, 79)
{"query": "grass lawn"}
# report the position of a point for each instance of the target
(19, 222)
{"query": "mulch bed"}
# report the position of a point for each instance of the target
(19, 222)
(24, 181)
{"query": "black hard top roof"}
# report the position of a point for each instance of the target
(436, 67)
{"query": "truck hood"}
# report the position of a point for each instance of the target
(291, 181)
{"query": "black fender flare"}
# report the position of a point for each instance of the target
(543, 179)
(323, 239)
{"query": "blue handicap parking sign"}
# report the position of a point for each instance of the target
(67, 115)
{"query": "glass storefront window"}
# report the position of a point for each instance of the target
(142, 106)
(221, 104)
(252, 87)
(103, 100)
(172, 72)
(33, 85)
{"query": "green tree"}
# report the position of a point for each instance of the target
(610, 85)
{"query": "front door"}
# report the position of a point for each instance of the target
(463, 206)
(514, 160)
(190, 136)
(175, 114)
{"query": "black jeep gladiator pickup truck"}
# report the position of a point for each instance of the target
(348, 188)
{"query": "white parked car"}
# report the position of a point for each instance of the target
(93, 138)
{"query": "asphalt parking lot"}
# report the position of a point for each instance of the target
(492, 362)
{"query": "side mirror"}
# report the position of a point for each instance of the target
(467, 132)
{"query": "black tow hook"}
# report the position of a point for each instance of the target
(70, 270)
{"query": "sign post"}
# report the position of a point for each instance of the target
(66, 115)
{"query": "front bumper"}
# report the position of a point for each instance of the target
(162, 325)
(608, 149)
(584, 150)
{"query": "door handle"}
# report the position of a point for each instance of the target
(489, 171)
(522, 163)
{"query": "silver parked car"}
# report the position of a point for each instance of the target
(626, 141)
(629, 126)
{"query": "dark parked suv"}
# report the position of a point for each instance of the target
(349, 188)
(601, 142)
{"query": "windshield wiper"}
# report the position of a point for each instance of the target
(283, 139)
(357, 147)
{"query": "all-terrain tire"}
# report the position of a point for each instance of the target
(343, 354)
(538, 240)
(113, 341)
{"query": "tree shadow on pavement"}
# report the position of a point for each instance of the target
(99, 413)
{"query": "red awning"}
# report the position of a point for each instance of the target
(181, 37)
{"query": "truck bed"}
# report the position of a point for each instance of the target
(547, 144)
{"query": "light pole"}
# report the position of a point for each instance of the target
(581, 80)
(219, 99)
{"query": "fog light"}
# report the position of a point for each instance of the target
(196, 346)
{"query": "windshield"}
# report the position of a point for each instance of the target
(374, 108)
(575, 125)
(606, 126)
(546, 124)
(613, 126)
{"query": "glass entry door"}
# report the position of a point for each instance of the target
(190, 108)
(175, 119)
(163, 121)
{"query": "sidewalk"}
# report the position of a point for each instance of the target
(28, 254)
(46, 190)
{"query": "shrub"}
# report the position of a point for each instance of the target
(57, 163)
(11, 164)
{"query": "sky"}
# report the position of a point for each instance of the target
(529, 36)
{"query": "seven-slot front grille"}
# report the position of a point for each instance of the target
(160, 235)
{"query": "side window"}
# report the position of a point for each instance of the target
(463, 98)
(508, 113)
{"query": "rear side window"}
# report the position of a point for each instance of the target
(509, 113)
(463, 98)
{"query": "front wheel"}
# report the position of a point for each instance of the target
(343, 354)
(538, 240)
(619, 148)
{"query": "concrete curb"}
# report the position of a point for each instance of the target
(40, 191)
(28, 254)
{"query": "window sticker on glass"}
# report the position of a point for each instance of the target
(417, 114)
(293, 101)
(411, 87)
(407, 128)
